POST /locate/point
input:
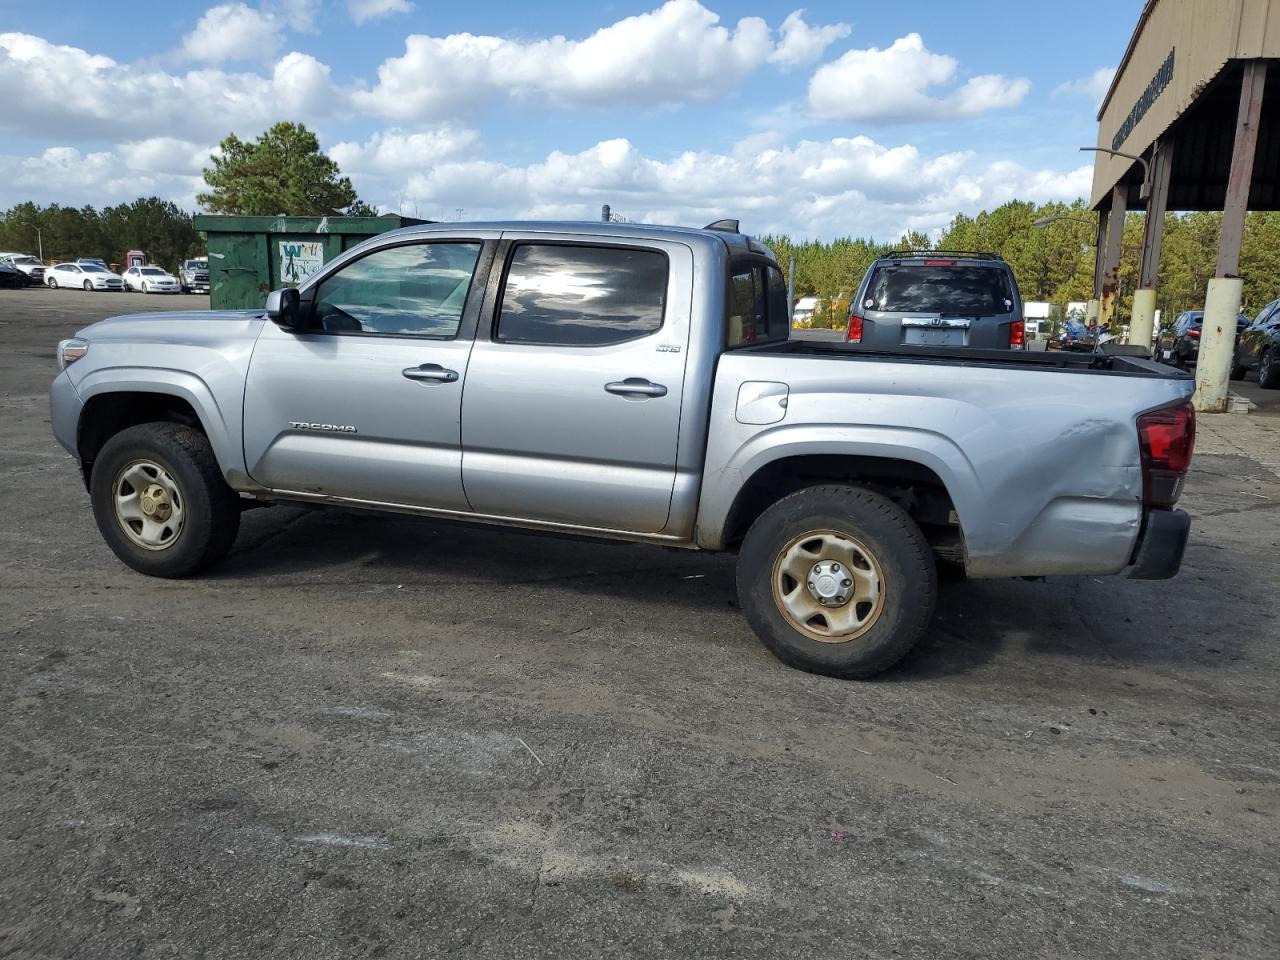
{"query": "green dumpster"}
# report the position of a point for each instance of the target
(251, 256)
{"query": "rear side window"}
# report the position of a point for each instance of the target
(906, 288)
(582, 296)
(757, 305)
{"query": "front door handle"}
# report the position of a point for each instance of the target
(431, 373)
(636, 387)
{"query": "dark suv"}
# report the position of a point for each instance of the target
(1258, 345)
(938, 298)
(1179, 345)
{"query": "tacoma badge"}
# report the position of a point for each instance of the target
(330, 427)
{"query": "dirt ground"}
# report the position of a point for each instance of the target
(369, 736)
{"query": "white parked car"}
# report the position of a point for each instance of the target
(150, 280)
(86, 276)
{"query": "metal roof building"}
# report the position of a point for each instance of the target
(1186, 126)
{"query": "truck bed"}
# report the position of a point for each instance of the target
(1058, 361)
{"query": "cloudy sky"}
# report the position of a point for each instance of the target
(850, 118)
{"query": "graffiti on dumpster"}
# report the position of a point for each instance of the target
(299, 259)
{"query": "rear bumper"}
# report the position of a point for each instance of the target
(1161, 544)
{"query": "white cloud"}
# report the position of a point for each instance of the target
(817, 188)
(363, 10)
(677, 53)
(301, 15)
(1094, 86)
(233, 31)
(802, 43)
(895, 84)
(824, 188)
(70, 94)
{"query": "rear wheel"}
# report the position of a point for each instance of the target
(1269, 369)
(837, 580)
(1238, 370)
(160, 500)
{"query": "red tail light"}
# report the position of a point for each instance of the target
(1193, 333)
(855, 329)
(1166, 438)
(1018, 335)
(939, 263)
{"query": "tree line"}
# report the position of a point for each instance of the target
(166, 233)
(1053, 262)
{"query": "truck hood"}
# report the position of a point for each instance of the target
(178, 326)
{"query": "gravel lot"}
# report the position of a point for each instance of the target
(370, 736)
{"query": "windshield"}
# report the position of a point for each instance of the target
(23, 260)
(968, 290)
(197, 265)
(153, 271)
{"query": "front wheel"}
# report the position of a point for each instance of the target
(53, 283)
(88, 286)
(160, 500)
(144, 289)
(837, 580)
(1269, 370)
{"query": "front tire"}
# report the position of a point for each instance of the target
(53, 283)
(160, 500)
(837, 580)
(88, 286)
(1269, 369)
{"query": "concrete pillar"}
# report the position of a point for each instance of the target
(1217, 344)
(1091, 311)
(1143, 321)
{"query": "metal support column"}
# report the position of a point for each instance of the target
(1222, 303)
(1142, 322)
(1111, 256)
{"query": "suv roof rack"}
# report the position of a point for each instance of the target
(975, 254)
(724, 226)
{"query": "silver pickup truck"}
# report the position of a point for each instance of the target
(639, 383)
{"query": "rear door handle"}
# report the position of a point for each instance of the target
(431, 373)
(635, 388)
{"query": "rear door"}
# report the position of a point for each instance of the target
(365, 402)
(571, 412)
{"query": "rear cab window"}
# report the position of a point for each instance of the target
(757, 305)
(944, 288)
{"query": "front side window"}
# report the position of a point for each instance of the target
(412, 290)
(582, 296)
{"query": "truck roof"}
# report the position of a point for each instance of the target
(736, 242)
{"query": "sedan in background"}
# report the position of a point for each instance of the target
(30, 266)
(86, 276)
(1179, 345)
(10, 276)
(1258, 347)
(150, 280)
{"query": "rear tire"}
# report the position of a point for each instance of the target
(877, 549)
(1238, 371)
(180, 463)
(1269, 369)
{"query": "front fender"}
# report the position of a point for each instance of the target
(926, 448)
(221, 421)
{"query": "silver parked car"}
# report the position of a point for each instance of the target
(638, 383)
(938, 298)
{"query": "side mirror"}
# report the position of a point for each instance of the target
(284, 308)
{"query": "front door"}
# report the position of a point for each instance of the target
(364, 402)
(572, 408)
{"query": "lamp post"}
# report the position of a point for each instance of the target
(1091, 310)
(39, 238)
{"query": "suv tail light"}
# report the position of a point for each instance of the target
(1165, 438)
(1018, 335)
(854, 334)
(1193, 333)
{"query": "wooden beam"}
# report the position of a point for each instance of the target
(1242, 153)
(1153, 229)
(1111, 257)
(1099, 249)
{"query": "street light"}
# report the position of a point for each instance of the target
(39, 237)
(1144, 191)
(1045, 221)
